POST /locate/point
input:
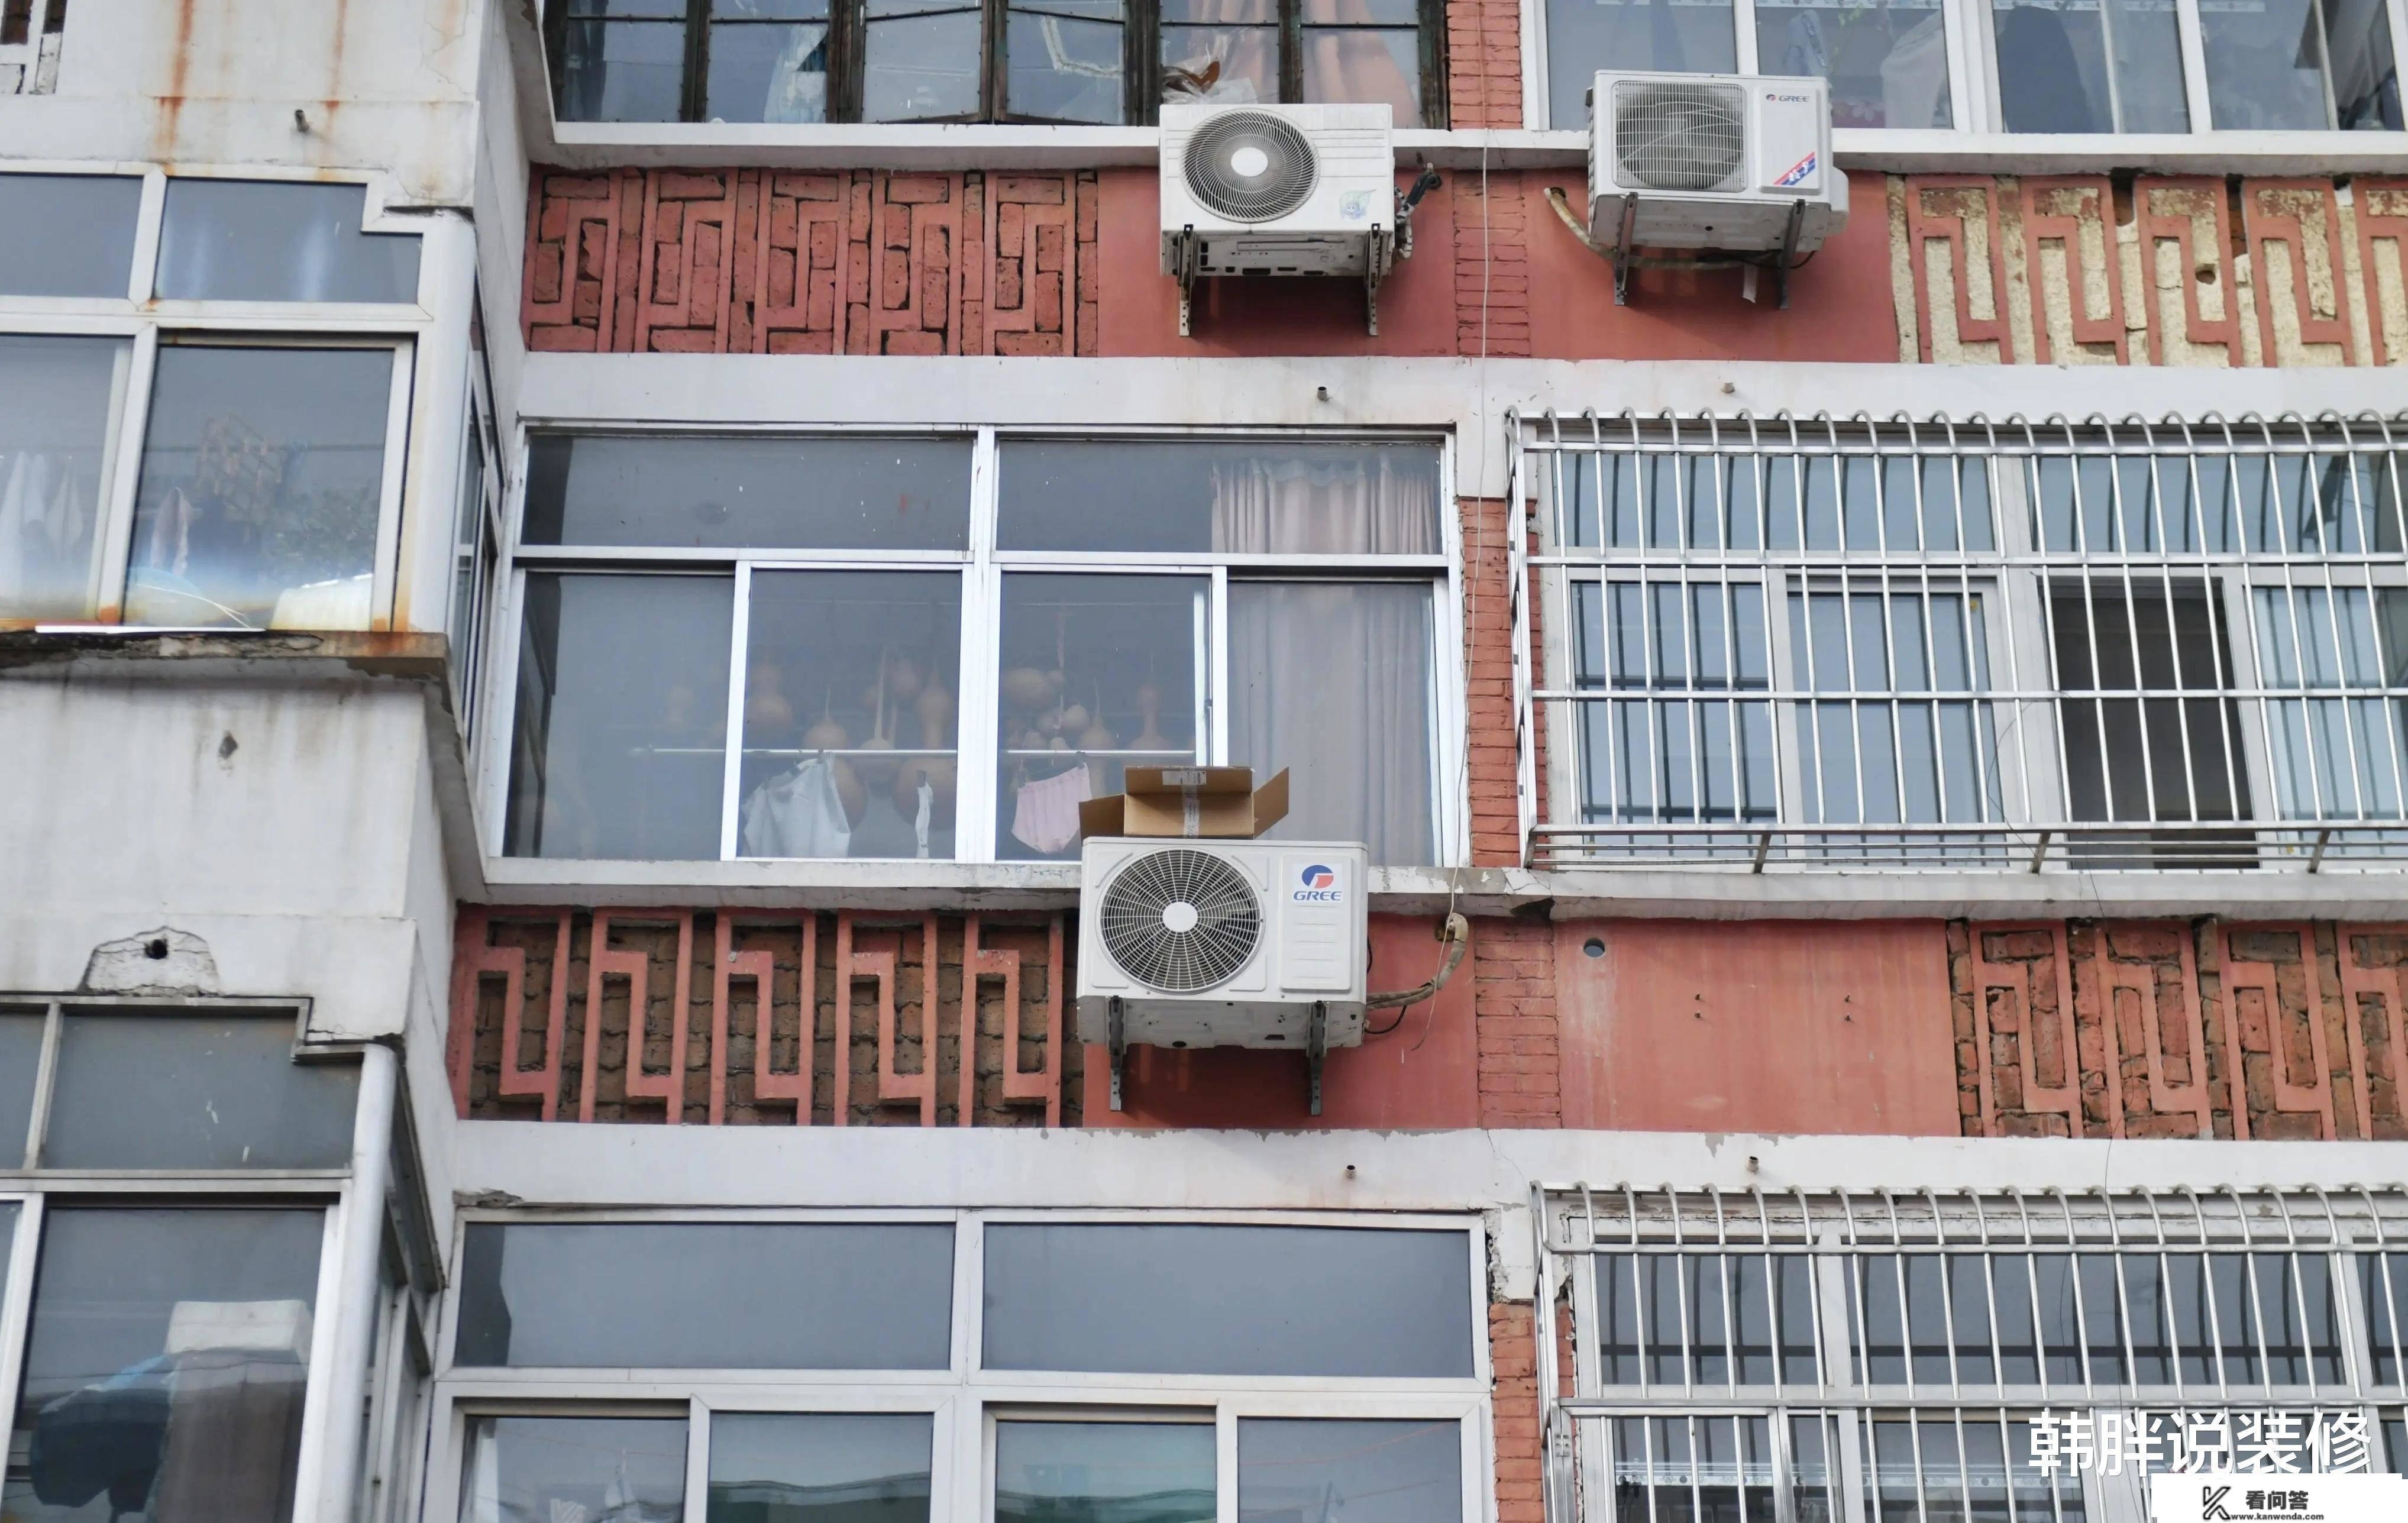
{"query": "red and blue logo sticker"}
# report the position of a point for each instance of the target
(1320, 883)
(1799, 171)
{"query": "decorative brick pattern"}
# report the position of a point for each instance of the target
(864, 262)
(2149, 270)
(1484, 64)
(1514, 1000)
(685, 1015)
(2112, 1028)
(1492, 265)
(1491, 760)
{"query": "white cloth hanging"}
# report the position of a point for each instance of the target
(797, 814)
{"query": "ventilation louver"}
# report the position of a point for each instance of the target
(1179, 920)
(1680, 135)
(1250, 166)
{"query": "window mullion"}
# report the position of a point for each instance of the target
(115, 530)
(2194, 57)
(1291, 85)
(695, 100)
(738, 654)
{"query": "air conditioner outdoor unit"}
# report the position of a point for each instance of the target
(1277, 190)
(1220, 943)
(1712, 161)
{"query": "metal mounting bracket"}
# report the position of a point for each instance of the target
(1316, 1044)
(1624, 258)
(1116, 1040)
(1789, 253)
(1375, 268)
(1185, 260)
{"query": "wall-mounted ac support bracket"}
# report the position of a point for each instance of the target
(1789, 254)
(1375, 270)
(1316, 1046)
(1186, 253)
(1117, 1044)
(1187, 260)
(1626, 258)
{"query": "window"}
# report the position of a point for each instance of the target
(1068, 62)
(2045, 67)
(837, 1367)
(163, 462)
(477, 533)
(1889, 1358)
(832, 670)
(1926, 644)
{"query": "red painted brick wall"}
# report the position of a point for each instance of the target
(1491, 749)
(1514, 987)
(1484, 64)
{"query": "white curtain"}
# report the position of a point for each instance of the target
(1372, 504)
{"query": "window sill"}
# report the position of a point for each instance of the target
(960, 145)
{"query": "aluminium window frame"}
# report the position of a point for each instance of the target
(984, 566)
(964, 1400)
(145, 324)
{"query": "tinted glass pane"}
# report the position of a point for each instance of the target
(1103, 1473)
(768, 73)
(1310, 1470)
(819, 1468)
(260, 478)
(59, 405)
(1367, 68)
(1888, 63)
(1353, 726)
(573, 1470)
(751, 1295)
(1586, 36)
(1201, 1300)
(255, 240)
(1064, 69)
(817, 493)
(621, 71)
(190, 1091)
(1219, 65)
(21, 1057)
(621, 723)
(920, 68)
(2090, 65)
(68, 235)
(164, 1371)
(1097, 672)
(850, 700)
(1259, 497)
(2265, 67)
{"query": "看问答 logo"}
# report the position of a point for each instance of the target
(1317, 876)
(2211, 1504)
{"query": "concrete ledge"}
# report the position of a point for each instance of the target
(368, 653)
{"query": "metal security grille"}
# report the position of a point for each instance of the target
(1777, 643)
(1902, 1356)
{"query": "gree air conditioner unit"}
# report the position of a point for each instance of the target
(1712, 161)
(1213, 943)
(1277, 190)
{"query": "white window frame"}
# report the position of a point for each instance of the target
(144, 323)
(1976, 95)
(982, 566)
(964, 1400)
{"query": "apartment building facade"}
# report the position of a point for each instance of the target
(565, 565)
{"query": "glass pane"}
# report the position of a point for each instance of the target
(621, 724)
(60, 400)
(1366, 67)
(68, 235)
(768, 73)
(1202, 1300)
(1888, 63)
(691, 1295)
(2090, 65)
(654, 10)
(918, 69)
(1103, 1473)
(164, 1372)
(1353, 725)
(2156, 758)
(820, 1468)
(1064, 70)
(1260, 497)
(1361, 12)
(800, 493)
(1133, 692)
(1586, 36)
(259, 240)
(573, 1470)
(20, 1060)
(2265, 65)
(768, 10)
(195, 1091)
(850, 696)
(1321, 1470)
(1219, 65)
(262, 475)
(623, 71)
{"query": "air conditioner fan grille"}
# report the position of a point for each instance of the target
(1181, 921)
(1250, 166)
(1680, 135)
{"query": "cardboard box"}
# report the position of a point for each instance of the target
(1194, 802)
